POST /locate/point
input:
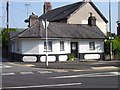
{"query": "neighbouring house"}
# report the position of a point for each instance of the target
(78, 28)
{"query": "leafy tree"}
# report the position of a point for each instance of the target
(5, 37)
(115, 45)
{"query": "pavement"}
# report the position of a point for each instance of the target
(74, 65)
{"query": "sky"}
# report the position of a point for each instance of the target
(18, 11)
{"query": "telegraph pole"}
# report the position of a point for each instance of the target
(110, 30)
(7, 8)
(27, 5)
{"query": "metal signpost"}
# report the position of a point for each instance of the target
(45, 25)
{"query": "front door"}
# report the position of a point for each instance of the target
(74, 49)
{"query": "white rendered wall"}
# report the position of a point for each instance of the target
(30, 46)
(84, 46)
(55, 47)
(36, 46)
(81, 17)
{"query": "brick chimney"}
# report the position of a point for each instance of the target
(47, 7)
(32, 19)
(92, 20)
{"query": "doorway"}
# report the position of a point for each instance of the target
(74, 49)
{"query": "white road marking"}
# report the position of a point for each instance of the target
(5, 66)
(115, 73)
(87, 75)
(53, 85)
(26, 72)
(80, 70)
(59, 70)
(105, 67)
(8, 73)
(42, 72)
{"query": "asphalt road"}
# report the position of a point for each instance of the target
(17, 76)
(49, 80)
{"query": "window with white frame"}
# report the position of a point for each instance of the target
(91, 45)
(61, 45)
(49, 48)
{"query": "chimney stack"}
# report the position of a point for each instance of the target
(86, 0)
(47, 6)
(32, 19)
(92, 20)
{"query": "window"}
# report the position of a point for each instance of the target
(91, 45)
(61, 45)
(49, 46)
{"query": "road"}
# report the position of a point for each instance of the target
(17, 76)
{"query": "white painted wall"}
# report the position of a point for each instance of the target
(62, 58)
(55, 47)
(29, 58)
(36, 46)
(30, 46)
(84, 46)
(50, 59)
(81, 17)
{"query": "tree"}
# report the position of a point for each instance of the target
(5, 37)
(115, 45)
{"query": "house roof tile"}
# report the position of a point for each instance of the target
(63, 30)
(65, 11)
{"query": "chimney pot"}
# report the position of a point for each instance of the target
(86, 0)
(47, 6)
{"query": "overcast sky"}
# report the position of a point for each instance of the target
(18, 10)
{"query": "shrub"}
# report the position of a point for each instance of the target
(71, 57)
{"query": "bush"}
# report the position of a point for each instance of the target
(71, 57)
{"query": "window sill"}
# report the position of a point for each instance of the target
(48, 51)
(92, 49)
(62, 50)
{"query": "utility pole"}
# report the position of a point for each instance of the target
(27, 5)
(7, 8)
(110, 30)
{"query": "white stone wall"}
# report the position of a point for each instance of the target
(36, 47)
(55, 47)
(81, 17)
(30, 46)
(84, 48)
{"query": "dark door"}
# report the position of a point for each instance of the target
(74, 49)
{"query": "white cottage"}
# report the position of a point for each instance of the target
(70, 31)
